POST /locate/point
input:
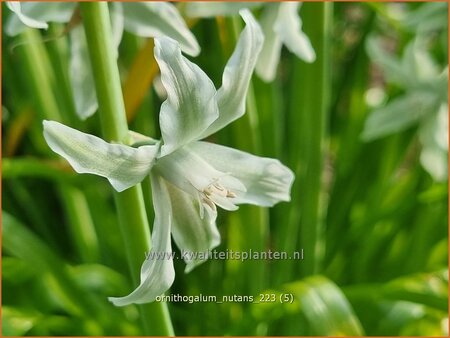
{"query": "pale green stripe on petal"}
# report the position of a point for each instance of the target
(237, 74)
(269, 57)
(122, 165)
(288, 26)
(193, 234)
(206, 9)
(190, 107)
(267, 180)
(157, 19)
(37, 15)
(80, 75)
(157, 272)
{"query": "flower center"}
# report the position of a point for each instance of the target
(217, 188)
(216, 194)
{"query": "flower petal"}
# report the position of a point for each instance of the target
(193, 234)
(37, 15)
(288, 26)
(237, 74)
(80, 75)
(269, 57)
(191, 173)
(267, 180)
(433, 134)
(157, 19)
(390, 65)
(157, 272)
(399, 114)
(190, 107)
(122, 165)
(16, 7)
(206, 9)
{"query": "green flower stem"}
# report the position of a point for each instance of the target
(130, 203)
(106, 74)
(42, 82)
(307, 117)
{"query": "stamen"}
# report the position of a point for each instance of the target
(209, 203)
(231, 194)
(213, 191)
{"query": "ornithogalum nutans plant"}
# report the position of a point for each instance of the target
(190, 178)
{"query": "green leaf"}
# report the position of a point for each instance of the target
(429, 289)
(320, 301)
(403, 317)
(327, 309)
(22, 243)
(15, 270)
(99, 279)
(17, 322)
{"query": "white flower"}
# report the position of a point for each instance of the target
(423, 103)
(190, 178)
(145, 19)
(280, 23)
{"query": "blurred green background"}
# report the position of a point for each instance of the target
(360, 127)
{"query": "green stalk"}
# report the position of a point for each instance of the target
(306, 133)
(77, 210)
(130, 203)
(42, 81)
(40, 75)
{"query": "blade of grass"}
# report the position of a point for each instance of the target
(16, 131)
(307, 118)
(309, 307)
(42, 81)
(59, 54)
(22, 243)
